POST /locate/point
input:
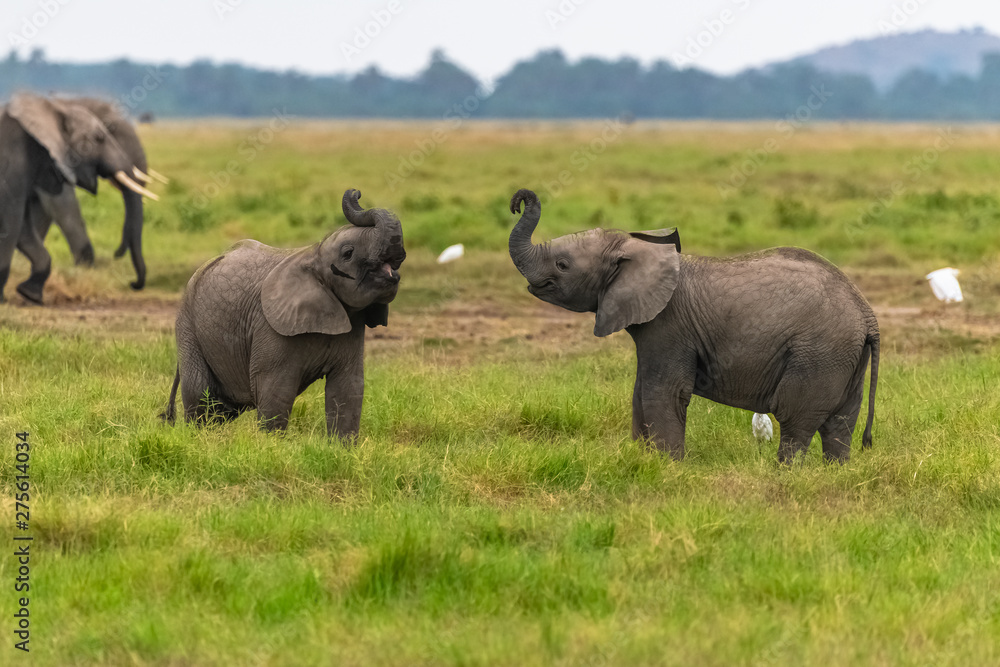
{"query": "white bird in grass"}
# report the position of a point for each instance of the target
(451, 253)
(944, 283)
(762, 427)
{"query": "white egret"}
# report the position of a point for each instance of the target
(762, 427)
(451, 253)
(944, 283)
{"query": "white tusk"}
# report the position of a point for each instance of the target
(158, 176)
(123, 178)
(145, 178)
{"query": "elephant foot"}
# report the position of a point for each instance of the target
(31, 289)
(31, 293)
(673, 450)
(137, 285)
(86, 256)
(676, 453)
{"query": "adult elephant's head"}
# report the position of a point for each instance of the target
(356, 268)
(77, 144)
(625, 277)
(119, 127)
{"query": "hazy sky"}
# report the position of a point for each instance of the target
(485, 38)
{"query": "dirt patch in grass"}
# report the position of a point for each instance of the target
(460, 332)
(136, 318)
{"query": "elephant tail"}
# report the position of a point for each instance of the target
(170, 414)
(872, 343)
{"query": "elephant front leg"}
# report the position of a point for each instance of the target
(12, 214)
(665, 418)
(64, 209)
(639, 428)
(345, 389)
(41, 264)
(659, 403)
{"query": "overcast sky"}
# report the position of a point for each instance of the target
(485, 38)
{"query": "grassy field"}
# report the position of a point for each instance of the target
(495, 510)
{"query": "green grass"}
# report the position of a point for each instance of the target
(813, 192)
(495, 510)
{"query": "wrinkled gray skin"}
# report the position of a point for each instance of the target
(780, 331)
(258, 325)
(64, 209)
(47, 145)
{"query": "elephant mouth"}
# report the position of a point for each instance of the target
(382, 274)
(88, 181)
(541, 288)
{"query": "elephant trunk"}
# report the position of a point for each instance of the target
(132, 236)
(354, 213)
(132, 228)
(527, 256)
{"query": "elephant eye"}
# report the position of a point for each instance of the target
(562, 264)
(99, 138)
(347, 252)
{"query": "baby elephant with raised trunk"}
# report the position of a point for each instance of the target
(258, 325)
(781, 331)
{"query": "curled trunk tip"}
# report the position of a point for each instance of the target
(526, 256)
(528, 197)
(354, 213)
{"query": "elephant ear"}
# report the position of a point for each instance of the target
(45, 121)
(295, 301)
(660, 236)
(643, 283)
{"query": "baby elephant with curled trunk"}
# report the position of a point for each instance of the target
(258, 325)
(780, 331)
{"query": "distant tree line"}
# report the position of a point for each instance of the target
(547, 86)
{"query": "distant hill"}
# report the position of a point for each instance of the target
(918, 76)
(885, 59)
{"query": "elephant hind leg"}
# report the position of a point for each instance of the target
(802, 405)
(209, 407)
(274, 394)
(793, 441)
(836, 434)
(837, 430)
(219, 410)
(797, 432)
(201, 394)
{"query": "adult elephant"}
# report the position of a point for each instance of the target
(46, 144)
(781, 331)
(259, 324)
(64, 209)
